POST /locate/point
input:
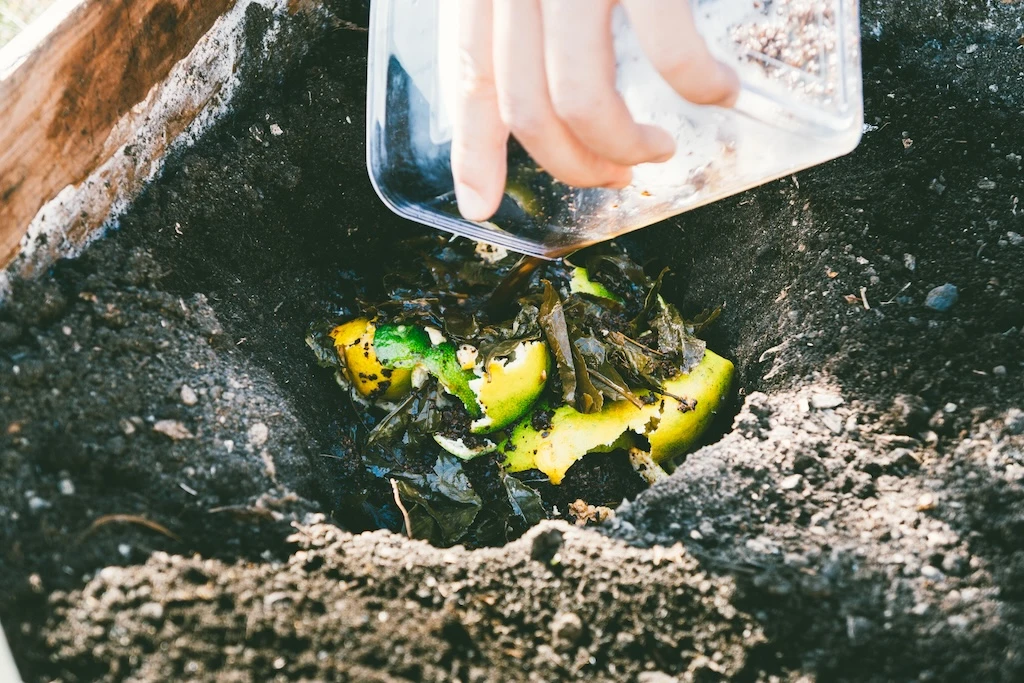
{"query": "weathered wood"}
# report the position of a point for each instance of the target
(60, 108)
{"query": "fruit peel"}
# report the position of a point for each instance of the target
(354, 344)
(669, 426)
(580, 283)
(508, 387)
(495, 396)
(460, 449)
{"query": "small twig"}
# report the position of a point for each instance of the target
(401, 506)
(864, 298)
(130, 519)
(332, 456)
(661, 392)
(624, 390)
(893, 299)
(774, 349)
(620, 338)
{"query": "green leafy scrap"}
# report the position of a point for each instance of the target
(441, 504)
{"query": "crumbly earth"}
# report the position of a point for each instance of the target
(861, 522)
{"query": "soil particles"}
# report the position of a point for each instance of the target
(169, 503)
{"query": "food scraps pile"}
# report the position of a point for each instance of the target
(469, 412)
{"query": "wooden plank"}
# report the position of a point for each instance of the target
(60, 107)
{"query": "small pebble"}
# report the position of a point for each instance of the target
(925, 502)
(931, 573)
(37, 504)
(127, 427)
(825, 401)
(173, 429)
(258, 434)
(999, 371)
(188, 395)
(958, 621)
(833, 422)
(942, 298)
(566, 628)
(791, 482)
(66, 487)
(152, 611)
(1015, 238)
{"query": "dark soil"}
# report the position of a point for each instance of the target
(862, 521)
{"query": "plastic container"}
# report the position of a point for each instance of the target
(801, 104)
(8, 672)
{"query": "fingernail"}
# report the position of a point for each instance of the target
(472, 205)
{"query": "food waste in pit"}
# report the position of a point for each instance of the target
(465, 425)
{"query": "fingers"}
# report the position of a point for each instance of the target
(526, 108)
(544, 70)
(480, 136)
(580, 63)
(671, 41)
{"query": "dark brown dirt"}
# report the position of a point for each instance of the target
(862, 521)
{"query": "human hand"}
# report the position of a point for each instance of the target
(544, 71)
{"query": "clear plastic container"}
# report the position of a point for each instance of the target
(800, 104)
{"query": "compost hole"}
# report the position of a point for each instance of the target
(382, 466)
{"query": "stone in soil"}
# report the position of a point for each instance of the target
(942, 298)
